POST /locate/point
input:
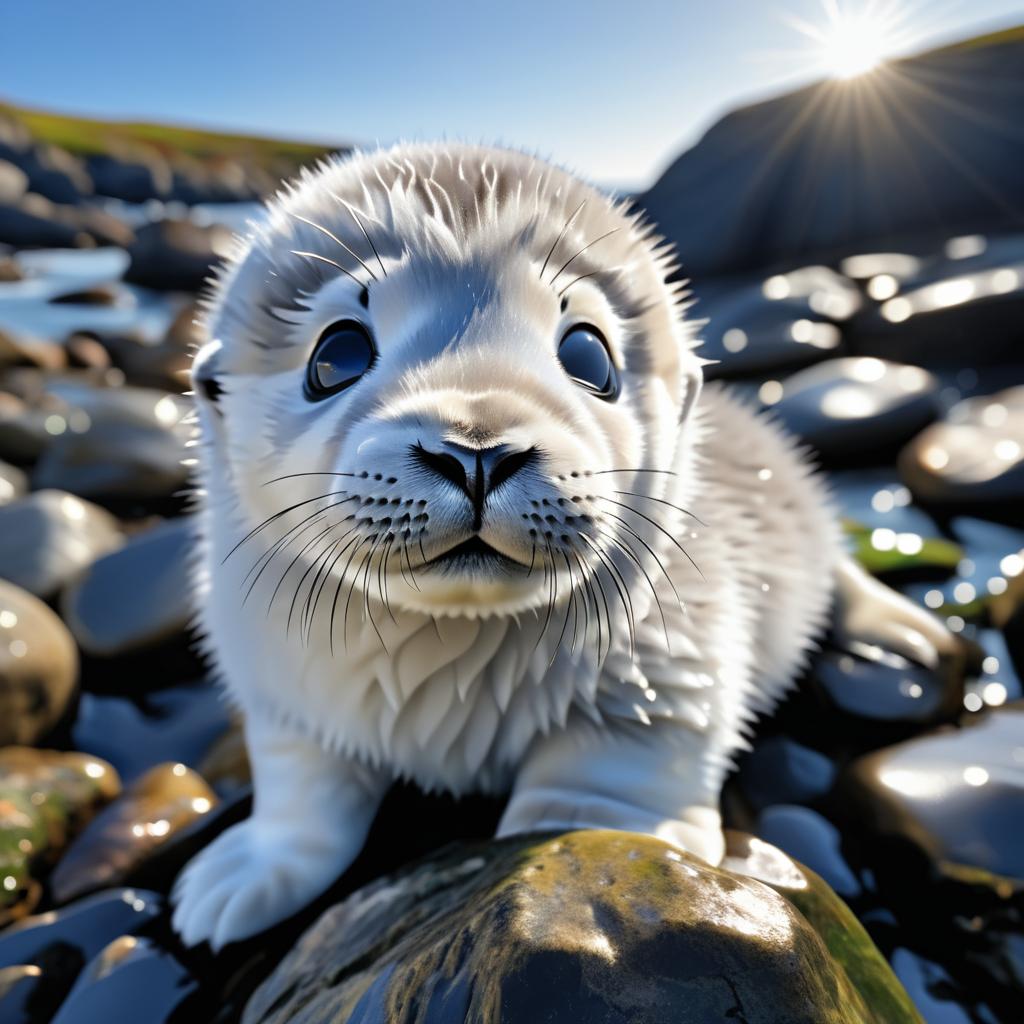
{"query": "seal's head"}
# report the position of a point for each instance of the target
(450, 367)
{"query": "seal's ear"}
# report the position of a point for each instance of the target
(205, 380)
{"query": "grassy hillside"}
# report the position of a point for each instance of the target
(86, 136)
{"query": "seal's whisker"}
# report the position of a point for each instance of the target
(348, 206)
(580, 252)
(292, 476)
(382, 579)
(576, 280)
(594, 579)
(276, 516)
(324, 259)
(658, 527)
(358, 541)
(327, 575)
(621, 587)
(552, 592)
(298, 586)
(352, 584)
(297, 527)
(627, 549)
(570, 602)
(292, 564)
(334, 238)
(560, 236)
(662, 501)
(288, 538)
(366, 594)
(650, 551)
(640, 469)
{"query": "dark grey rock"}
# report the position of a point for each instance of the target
(781, 771)
(811, 839)
(137, 597)
(874, 687)
(13, 483)
(175, 255)
(130, 450)
(86, 925)
(957, 794)
(177, 724)
(858, 407)
(974, 456)
(762, 325)
(132, 981)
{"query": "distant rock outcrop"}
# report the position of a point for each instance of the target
(930, 145)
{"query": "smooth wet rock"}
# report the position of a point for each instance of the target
(781, 771)
(20, 349)
(10, 270)
(759, 325)
(226, 764)
(925, 982)
(161, 364)
(967, 295)
(85, 351)
(813, 840)
(38, 667)
(858, 407)
(176, 724)
(22, 227)
(590, 926)
(131, 450)
(46, 797)
(974, 456)
(132, 981)
(844, 936)
(958, 794)
(13, 483)
(48, 537)
(163, 801)
(59, 943)
(13, 182)
(107, 295)
(176, 255)
(23, 433)
(870, 688)
(136, 598)
(20, 989)
(86, 926)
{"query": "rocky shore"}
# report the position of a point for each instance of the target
(875, 872)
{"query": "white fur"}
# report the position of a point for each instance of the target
(622, 707)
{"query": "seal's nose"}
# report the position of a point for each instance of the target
(477, 472)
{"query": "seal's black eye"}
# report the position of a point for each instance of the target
(584, 355)
(342, 355)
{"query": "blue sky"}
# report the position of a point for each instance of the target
(614, 90)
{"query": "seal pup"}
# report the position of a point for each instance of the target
(468, 518)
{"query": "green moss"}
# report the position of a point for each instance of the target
(936, 554)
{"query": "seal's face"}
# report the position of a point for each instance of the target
(450, 382)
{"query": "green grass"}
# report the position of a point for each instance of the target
(87, 136)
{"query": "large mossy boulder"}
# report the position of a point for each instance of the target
(603, 927)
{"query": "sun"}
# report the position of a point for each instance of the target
(853, 45)
(853, 38)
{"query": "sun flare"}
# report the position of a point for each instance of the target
(853, 46)
(854, 38)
